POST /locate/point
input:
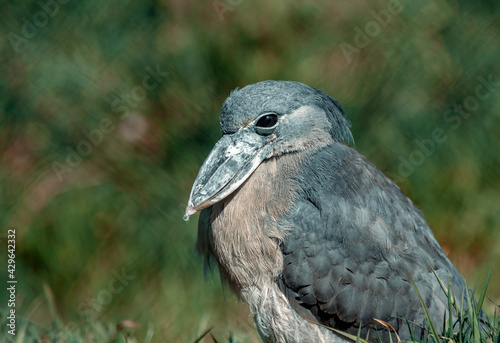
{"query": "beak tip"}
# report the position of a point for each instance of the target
(190, 210)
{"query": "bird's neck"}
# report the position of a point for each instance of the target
(246, 230)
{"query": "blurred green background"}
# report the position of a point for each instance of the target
(108, 109)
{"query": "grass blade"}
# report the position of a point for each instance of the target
(435, 335)
(345, 334)
(359, 333)
(450, 314)
(447, 291)
(213, 338)
(149, 334)
(473, 320)
(203, 335)
(483, 292)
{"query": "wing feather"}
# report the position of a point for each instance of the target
(354, 238)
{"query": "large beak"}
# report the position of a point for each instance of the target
(232, 160)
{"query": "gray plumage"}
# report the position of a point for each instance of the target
(307, 230)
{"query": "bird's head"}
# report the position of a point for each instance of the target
(261, 121)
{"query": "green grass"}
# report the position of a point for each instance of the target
(469, 326)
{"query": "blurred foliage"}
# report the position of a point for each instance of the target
(99, 145)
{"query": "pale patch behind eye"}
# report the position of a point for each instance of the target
(306, 127)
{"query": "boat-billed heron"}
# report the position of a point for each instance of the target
(309, 232)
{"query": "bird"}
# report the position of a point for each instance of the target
(307, 231)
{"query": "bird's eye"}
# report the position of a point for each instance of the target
(267, 120)
(266, 123)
